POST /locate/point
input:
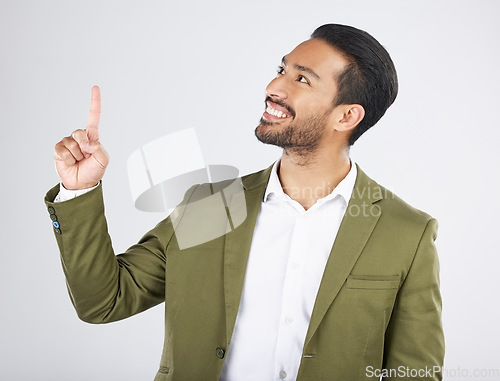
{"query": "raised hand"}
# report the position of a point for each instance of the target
(80, 159)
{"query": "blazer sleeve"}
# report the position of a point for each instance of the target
(104, 287)
(414, 342)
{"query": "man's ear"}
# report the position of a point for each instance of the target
(348, 117)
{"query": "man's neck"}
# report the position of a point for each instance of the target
(306, 180)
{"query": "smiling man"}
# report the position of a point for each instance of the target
(330, 276)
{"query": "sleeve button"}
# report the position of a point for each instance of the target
(220, 353)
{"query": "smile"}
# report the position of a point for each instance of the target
(277, 113)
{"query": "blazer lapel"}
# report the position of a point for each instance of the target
(356, 227)
(237, 245)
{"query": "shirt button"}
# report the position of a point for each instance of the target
(282, 374)
(220, 353)
(51, 210)
(294, 266)
(288, 320)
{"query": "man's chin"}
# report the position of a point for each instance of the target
(264, 135)
(263, 128)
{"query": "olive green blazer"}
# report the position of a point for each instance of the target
(378, 305)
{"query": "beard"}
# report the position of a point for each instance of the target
(300, 137)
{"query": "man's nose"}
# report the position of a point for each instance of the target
(277, 88)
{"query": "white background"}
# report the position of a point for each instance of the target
(163, 66)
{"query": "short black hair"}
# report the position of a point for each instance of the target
(369, 79)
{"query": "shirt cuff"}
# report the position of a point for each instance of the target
(66, 194)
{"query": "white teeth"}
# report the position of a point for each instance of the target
(277, 113)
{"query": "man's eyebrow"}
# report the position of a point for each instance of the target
(302, 68)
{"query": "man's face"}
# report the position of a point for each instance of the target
(299, 101)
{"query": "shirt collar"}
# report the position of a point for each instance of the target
(344, 188)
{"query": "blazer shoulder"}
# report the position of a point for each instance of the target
(248, 181)
(397, 205)
(392, 205)
(207, 196)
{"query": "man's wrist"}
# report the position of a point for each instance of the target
(68, 194)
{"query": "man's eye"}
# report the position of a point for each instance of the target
(303, 79)
(280, 70)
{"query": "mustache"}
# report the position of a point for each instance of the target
(282, 104)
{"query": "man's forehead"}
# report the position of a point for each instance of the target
(317, 55)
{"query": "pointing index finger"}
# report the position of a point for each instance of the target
(94, 114)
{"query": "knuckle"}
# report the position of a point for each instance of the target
(67, 140)
(79, 134)
(70, 143)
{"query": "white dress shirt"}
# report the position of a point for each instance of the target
(288, 255)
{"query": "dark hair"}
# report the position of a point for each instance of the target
(370, 78)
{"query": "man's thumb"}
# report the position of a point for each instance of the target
(98, 152)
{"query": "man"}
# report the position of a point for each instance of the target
(329, 277)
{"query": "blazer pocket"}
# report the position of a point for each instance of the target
(373, 282)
